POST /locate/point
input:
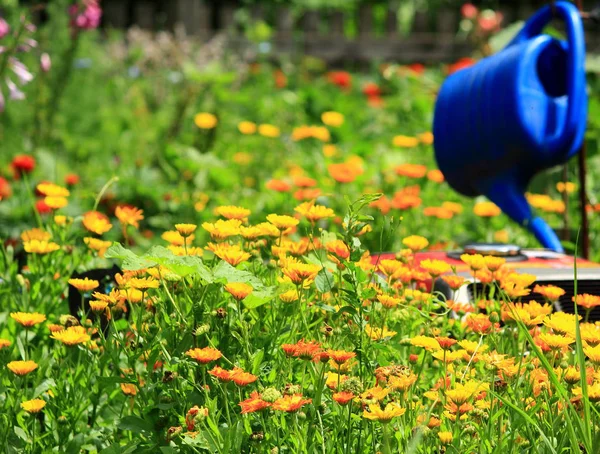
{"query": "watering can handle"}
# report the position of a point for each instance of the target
(569, 13)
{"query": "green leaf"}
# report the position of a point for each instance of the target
(324, 281)
(130, 261)
(258, 298)
(135, 424)
(226, 273)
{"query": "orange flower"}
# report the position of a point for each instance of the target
(343, 172)
(479, 323)
(247, 127)
(388, 301)
(303, 350)
(278, 185)
(343, 397)
(445, 342)
(4, 343)
(205, 120)
(71, 336)
(129, 389)
(300, 273)
(282, 222)
(129, 215)
(96, 222)
(232, 254)
(586, 300)
(185, 230)
(435, 175)
(238, 290)
(220, 373)
(435, 268)
(233, 212)
(550, 292)
(253, 404)
(21, 367)
(27, 319)
(340, 356)
(241, 378)
(33, 405)
(314, 212)
(486, 209)
(221, 229)
(405, 141)
(415, 242)
(84, 285)
(338, 248)
(411, 170)
(475, 261)
(175, 238)
(98, 245)
(204, 355)
(291, 403)
(454, 282)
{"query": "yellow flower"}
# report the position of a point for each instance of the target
(593, 392)
(56, 202)
(98, 306)
(233, 212)
(96, 222)
(314, 212)
(98, 245)
(334, 119)
(62, 220)
(486, 209)
(180, 251)
(445, 437)
(143, 283)
(247, 127)
(435, 267)
(568, 187)
(550, 292)
(391, 410)
(27, 319)
(129, 389)
(415, 242)
(33, 405)
(405, 141)
(556, 341)
(129, 215)
(22, 367)
(35, 234)
(221, 229)
(282, 222)
(268, 130)
(428, 343)
(232, 254)
(205, 120)
(299, 272)
(375, 394)
(290, 296)
(85, 284)
(475, 261)
(449, 356)
(471, 346)
(40, 247)
(426, 138)
(73, 335)
(593, 353)
(376, 333)
(4, 343)
(493, 263)
(52, 190)
(329, 151)
(175, 238)
(238, 290)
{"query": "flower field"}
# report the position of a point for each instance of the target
(189, 263)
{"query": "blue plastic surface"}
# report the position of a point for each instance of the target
(513, 114)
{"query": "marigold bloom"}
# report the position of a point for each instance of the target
(445, 342)
(334, 119)
(411, 170)
(562, 322)
(556, 341)
(143, 283)
(376, 333)
(340, 356)
(479, 323)
(4, 343)
(493, 263)
(314, 212)
(550, 292)
(27, 319)
(435, 268)
(52, 190)
(242, 378)
(71, 336)
(338, 248)
(454, 282)
(445, 437)
(175, 238)
(343, 172)
(456, 208)
(221, 229)
(232, 254)
(129, 215)
(388, 301)
(185, 230)
(96, 222)
(247, 127)
(402, 382)
(238, 290)
(98, 306)
(220, 373)
(278, 185)
(471, 346)
(290, 403)
(415, 242)
(233, 212)
(23, 164)
(300, 273)
(33, 405)
(593, 392)
(85, 284)
(35, 234)
(267, 130)
(290, 296)
(205, 120)
(302, 349)
(129, 389)
(40, 247)
(405, 141)
(282, 222)
(586, 300)
(486, 209)
(519, 312)
(22, 367)
(56, 203)
(254, 403)
(343, 397)
(376, 413)
(98, 245)
(204, 355)
(567, 186)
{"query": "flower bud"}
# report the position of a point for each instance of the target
(4, 28)
(270, 395)
(45, 62)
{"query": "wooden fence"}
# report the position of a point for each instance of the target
(432, 38)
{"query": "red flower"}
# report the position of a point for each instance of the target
(42, 208)
(340, 78)
(371, 89)
(460, 64)
(5, 189)
(469, 11)
(23, 164)
(71, 179)
(280, 78)
(416, 68)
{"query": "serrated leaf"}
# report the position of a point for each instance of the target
(324, 281)
(226, 273)
(130, 261)
(258, 298)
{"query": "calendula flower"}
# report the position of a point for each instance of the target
(175, 238)
(299, 272)
(471, 346)
(302, 349)
(428, 343)
(232, 254)
(388, 301)
(586, 300)
(143, 283)
(290, 296)
(247, 127)
(238, 290)
(98, 306)
(593, 392)
(340, 356)
(486, 209)
(233, 212)
(185, 230)
(343, 172)
(278, 185)
(567, 187)
(405, 141)
(454, 282)
(33, 405)
(98, 245)
(4, 343)
(129, 389)
(494, 263)
(436, 176)
(593, 353)
(73, 335)
(415, 242)
(56, 203)
(434, 267)
(445, 342)
(220, 373)
(35, 234)
(221, 229)
(337, 249)
(129, 215)
(479, 323)
(445, 437)
(40, 247)
(290, 403)
(22, 367)
(242, 378)
(254, 403)
(334, 119)
(85, 284)
(551, 292)
(402, 382)
(475, 261)
(96, 222)
(518, 312)
(556, 341)
(27, 319)
(343, 397)
(411, 170)
(314, 212)
(562, 322)
(205, 120)
(267, 130)
(282, 222)
(52, 190)
(204, 355)
(376, 413)
(376, 333)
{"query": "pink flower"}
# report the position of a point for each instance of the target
(469, 11)
(4, 28)
(86, 16)
(45, 62)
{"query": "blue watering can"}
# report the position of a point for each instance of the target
(514, 114)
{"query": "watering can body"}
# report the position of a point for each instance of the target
(513, 114)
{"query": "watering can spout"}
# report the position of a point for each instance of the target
(512, 201)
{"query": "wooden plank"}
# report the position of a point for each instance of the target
(310, 23)
(336, 24)
(391, 24)
(114, 13)
(447, 21)
(365, 20)
(194, 15)
(143, 14)
(421, 22)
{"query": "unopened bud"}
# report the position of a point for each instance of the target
(45, 62)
